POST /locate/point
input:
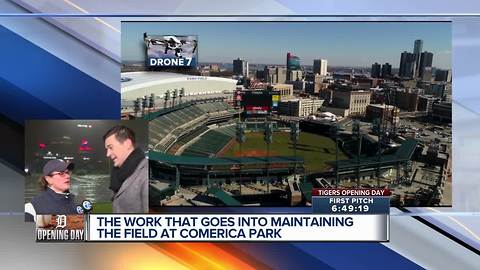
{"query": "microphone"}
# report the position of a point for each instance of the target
(79, 209)
(85, 208)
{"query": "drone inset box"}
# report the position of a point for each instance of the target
(171, 50)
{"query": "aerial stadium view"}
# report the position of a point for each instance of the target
(260, 121)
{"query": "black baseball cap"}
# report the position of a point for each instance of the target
(57, 165)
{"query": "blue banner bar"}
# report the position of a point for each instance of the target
(351, 205)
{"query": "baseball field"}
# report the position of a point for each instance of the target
(316, 150)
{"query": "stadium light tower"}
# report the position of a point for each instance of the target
(268, 137)
(240, 138)
(358, 134)
(144, 104)
(294, 137)
(136, 106)
(166, 98)
(383, 140)
(182, 94)
(208, 169)
(174, 96)
(151, 102)
(240, 135)
(377, 130)
(334, 132)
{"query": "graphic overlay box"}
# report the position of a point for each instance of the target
(338, 215)
(60, 228)
(368, 202)
(171, 50)
(240, 227)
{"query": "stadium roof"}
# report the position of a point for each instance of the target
(404, 153)
(153, 115)
(204, 161)
(142, 79)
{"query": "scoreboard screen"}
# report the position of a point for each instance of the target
(257, 102)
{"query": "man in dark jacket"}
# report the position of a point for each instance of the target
(129, 178)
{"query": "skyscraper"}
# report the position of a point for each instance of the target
(386, 70)
(443, 75)
(275, 74)
(320, 66)
(375, 72)
(425, 69)
(240, 67)
(295, 75)
(281, 73)
(417, 50)
(293, 63)
(407, 65)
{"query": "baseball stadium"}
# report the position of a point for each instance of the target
(211, 148)
(198, 155)
(195, 151)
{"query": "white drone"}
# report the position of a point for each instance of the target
(170, 43)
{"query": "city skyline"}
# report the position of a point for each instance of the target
(341, 43)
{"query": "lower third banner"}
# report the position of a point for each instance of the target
(243, 227)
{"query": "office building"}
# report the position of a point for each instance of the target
(240, 67)
(406, 101)
(425, 70)
(379, 111)
(300, 107)
(285, 90)
(375, 71)
(407, 65)
(293, 63)
(386, 70)
(295, 75)
(320, 67)
(425, 103)
(275, 74)
(417, 50)
(443, 75)
(442, 111)
(356, 101)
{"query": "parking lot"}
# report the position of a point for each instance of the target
(426, 132)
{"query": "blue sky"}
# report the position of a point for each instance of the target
(341, 43)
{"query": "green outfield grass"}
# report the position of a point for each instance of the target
(316, 150)
(102, 208)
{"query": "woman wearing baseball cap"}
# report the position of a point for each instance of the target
(55, 197)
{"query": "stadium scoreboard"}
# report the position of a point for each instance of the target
(259, 102)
